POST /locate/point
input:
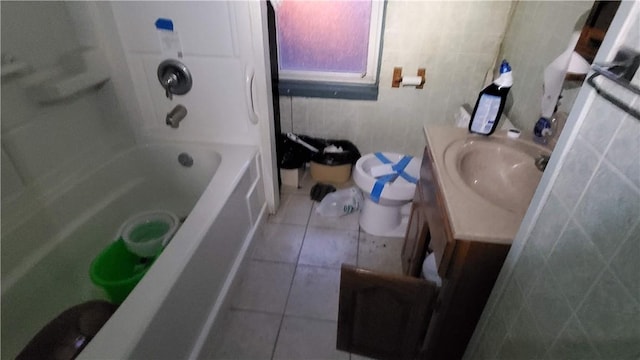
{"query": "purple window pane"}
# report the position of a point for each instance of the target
(330, 36)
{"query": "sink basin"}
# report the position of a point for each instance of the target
(501, 171)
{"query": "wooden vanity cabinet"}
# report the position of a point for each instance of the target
(406, 317)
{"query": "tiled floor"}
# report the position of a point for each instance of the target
(286, 306)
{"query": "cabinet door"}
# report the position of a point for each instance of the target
(415, 242)
(383, 316)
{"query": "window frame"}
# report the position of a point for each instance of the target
(341, 85)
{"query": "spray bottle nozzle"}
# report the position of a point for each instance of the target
(504, 67)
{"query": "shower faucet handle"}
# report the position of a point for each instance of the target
(174, 77)
(168, 81)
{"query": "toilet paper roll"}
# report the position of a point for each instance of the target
(411, 80)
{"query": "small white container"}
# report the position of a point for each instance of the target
(147, 233)
(430, 270)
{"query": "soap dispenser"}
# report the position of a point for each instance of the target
(490, 103)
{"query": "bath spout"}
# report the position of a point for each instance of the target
(175, 116)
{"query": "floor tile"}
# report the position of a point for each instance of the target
(246, 335)
(294, 209)
(279, 242)
(302, 338)
(346, 222)
(329, 247)
(264, 287)
(315, 293)
(380, 253)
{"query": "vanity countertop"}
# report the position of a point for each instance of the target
(471, 216)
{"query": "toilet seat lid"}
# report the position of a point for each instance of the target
(399, 189)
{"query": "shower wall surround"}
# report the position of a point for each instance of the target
(45, 145)
(215, 49)
(569, 288)
(223, 47)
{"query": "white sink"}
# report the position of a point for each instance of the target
(500, 171)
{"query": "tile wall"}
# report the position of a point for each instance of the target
(455, 41)
(574, 290)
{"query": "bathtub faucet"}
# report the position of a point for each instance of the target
(176, 115)
(541, 161)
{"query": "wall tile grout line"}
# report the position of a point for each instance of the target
(627, 237)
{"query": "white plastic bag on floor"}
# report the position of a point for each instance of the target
(341, 202)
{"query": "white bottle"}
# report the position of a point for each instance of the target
(341, 202)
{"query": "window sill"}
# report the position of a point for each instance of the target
(328, 90)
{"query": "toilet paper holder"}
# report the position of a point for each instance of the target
(417, 81)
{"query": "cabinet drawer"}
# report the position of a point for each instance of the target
(381, 315)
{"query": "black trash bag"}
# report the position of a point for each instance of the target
(319, 191)
(349, 155)
(294, 155)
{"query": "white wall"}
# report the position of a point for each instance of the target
(531, 46)
(456, 41)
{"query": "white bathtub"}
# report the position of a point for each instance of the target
(46, 254)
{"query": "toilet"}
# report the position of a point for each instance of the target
(388, 182)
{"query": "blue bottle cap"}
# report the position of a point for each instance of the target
(504, 67)
(541, 124)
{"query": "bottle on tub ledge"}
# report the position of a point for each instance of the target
(490, 103)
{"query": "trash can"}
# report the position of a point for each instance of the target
(118, 271)
(334, 162)
(331, 160)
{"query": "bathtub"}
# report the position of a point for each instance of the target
(49, 241)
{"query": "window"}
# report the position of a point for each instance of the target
(329, 48)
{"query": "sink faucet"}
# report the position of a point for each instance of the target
(541, 161)
(175, 116)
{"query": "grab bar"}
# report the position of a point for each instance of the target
(249, 75)
(624, 72)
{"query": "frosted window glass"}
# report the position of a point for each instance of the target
(331, 36)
